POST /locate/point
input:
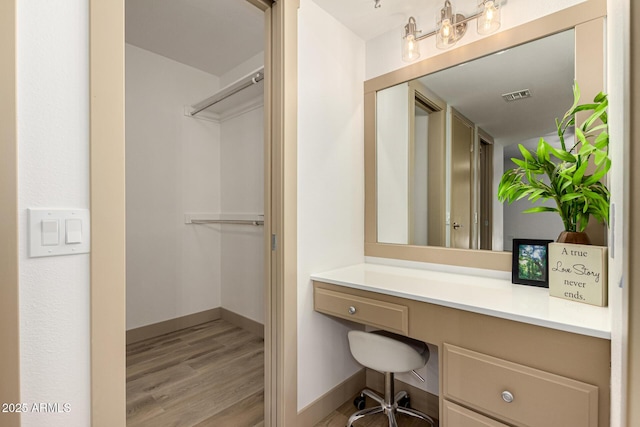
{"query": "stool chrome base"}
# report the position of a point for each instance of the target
(390, 408)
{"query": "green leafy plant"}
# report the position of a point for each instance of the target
(578, 195)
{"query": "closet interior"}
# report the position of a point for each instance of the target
(195, 200)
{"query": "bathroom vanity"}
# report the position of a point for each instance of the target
(510, 355)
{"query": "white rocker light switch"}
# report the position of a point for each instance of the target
(73, 231)
(50, 232)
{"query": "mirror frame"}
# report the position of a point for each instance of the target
(588, 21)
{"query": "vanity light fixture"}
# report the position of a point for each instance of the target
(450, 27)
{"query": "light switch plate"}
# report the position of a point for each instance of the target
(79, 217)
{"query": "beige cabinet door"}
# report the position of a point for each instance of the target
(461, 161)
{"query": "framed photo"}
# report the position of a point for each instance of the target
(530, 265)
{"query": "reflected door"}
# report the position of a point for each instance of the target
(426, 169)
(461, 161)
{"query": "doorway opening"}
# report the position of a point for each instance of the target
(485, 194)
(195, 212)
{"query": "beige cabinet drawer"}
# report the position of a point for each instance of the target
(539, 398)
(380, 314)
(456, 416)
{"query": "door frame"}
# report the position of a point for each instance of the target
(483, 178)
(632, 352)
(107, 163)
(107, 190)
(280, 195)
(9, 261)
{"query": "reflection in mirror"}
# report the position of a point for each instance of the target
(443, 141)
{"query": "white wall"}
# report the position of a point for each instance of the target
(53, 164)
(330, 187)
(519, 225)
(172, 167)
(392, 164)
(242, 190)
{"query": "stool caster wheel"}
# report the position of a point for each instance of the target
(359, 402)
(405, 402)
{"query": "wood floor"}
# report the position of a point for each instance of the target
(339, 417)
(210, 375)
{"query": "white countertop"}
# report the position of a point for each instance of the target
(489, 296)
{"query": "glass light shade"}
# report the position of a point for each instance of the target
(410, 48)
(489, 20)
(446, 34)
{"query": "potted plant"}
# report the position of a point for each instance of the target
(573, 172)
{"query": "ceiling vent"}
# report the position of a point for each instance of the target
(517, 95)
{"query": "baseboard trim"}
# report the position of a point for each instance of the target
(327, 403)
(172, 325)
(245, 323)
(420, 399)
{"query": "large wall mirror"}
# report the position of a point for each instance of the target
(439, 136)
(443, 141)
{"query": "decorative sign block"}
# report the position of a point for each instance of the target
(578, 273)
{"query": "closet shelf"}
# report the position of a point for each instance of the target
(237, 93)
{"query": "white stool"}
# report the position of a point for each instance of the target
(388, 353)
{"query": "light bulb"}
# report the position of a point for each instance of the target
(490, 10)
(446, 36)
(446, 29)
(489, 20)
(410, 48)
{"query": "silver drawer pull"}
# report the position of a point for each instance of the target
(352, 310)
(507, 396)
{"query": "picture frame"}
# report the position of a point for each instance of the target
(530, 262)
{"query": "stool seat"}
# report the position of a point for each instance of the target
(387, 352)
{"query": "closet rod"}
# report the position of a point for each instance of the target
(230, 90)
(227, 221)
